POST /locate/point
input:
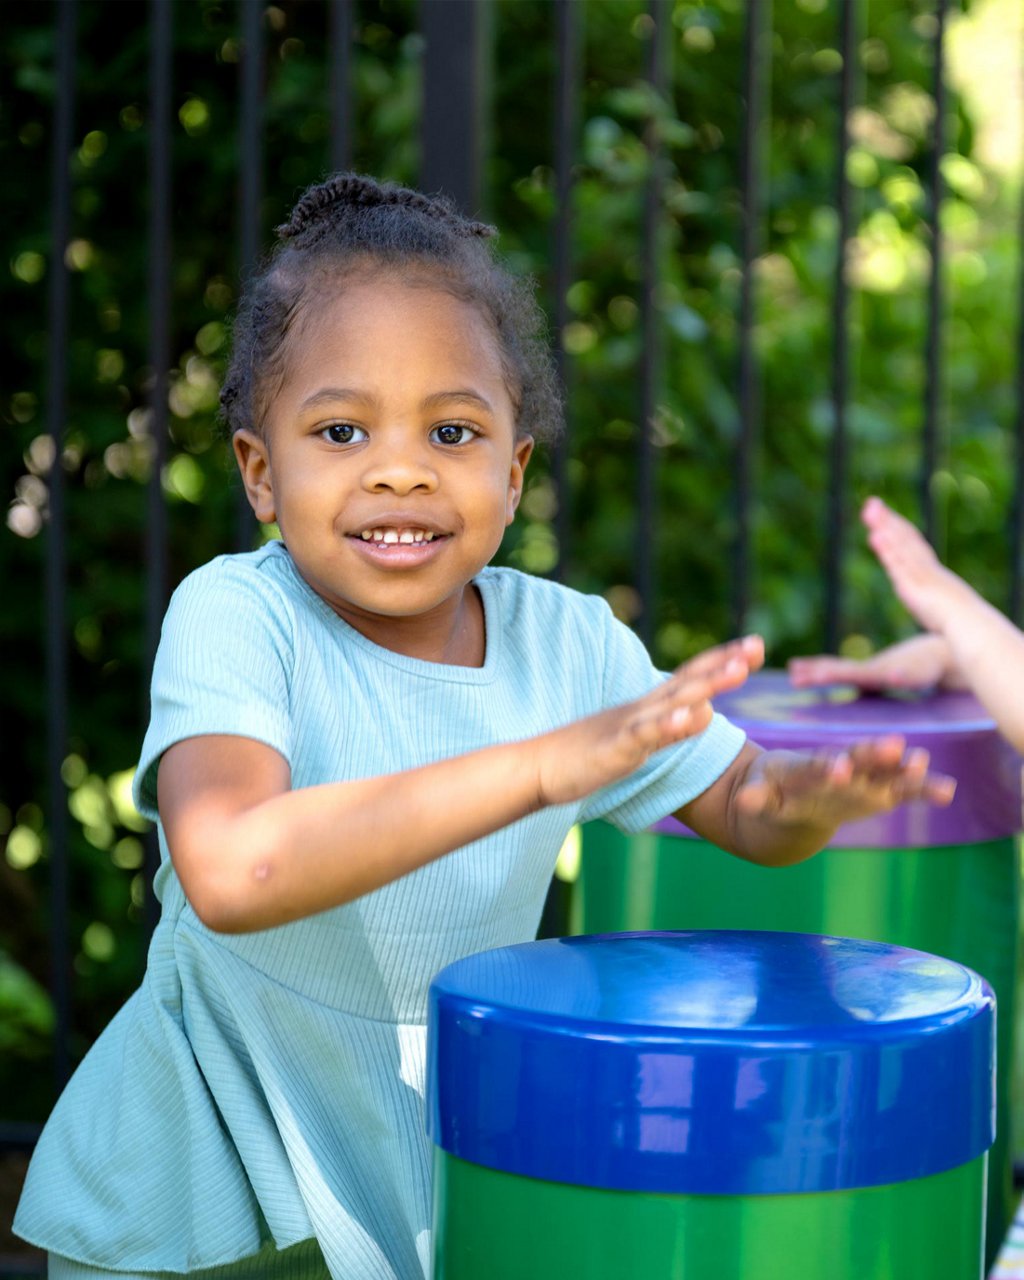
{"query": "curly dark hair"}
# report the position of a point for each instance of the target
(352, 226)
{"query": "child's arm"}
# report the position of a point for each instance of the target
(971, 643)
(779, 807)
(252, 853)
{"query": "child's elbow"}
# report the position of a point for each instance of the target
(217, 910)
(230, 900)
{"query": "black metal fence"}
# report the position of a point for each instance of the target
(457, 70)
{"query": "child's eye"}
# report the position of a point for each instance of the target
(343, 433)
(452, 433)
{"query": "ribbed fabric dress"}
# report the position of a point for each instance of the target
(265, 1089)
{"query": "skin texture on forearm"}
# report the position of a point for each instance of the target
(253, 854)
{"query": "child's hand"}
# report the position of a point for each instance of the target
(922, 662)
(585, 756)
(828, 790)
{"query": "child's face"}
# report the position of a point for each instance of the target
(389, 457)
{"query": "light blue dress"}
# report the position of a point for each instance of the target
(269, 1086)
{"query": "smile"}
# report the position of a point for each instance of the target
(390, 536)
(399, 546)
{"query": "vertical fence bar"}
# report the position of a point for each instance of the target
(452, 124)
(835, 526)
(250, 188)
(159, 306)
(933, 354)
(758, 21)
(565, 98)
(56, 545)
(1017, 506)
(340, 54)
(567, 57)
(656, 72)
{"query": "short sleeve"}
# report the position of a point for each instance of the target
(671, 778)
(222, 666)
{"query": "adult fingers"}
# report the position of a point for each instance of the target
(823, 668)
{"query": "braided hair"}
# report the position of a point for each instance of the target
(351, 226)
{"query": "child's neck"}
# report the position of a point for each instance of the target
(454, 634)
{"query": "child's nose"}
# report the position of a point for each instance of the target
(401, 472)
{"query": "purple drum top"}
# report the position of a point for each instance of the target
(957, 731)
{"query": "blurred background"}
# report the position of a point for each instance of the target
(780, 248)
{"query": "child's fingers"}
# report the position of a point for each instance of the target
(915, 780)
(936, 788)
(688, 684)
(759, 799)
(869, 777)
(787, 781)
(678, 691)
(885, 765)
(714, 671)
(939, 788)
(652, 727)
(684, 721)
(886, 762)
(791, 785)
(883, 754)
(746, 653)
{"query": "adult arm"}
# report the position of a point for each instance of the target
(969, 643)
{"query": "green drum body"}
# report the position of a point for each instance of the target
(506, 1227)
(709, 1105)
(941, 881)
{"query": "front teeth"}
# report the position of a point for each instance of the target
(390, 536)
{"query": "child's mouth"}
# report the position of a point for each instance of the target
(390, 537)
(399, 545)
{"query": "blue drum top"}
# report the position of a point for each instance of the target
(712, 1062)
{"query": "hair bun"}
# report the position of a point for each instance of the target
(344, 193)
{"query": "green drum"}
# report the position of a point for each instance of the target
(709, 1106)
(939, 880)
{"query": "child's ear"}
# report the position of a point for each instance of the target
(253, 459)
(520, 457)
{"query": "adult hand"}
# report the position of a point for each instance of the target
(922, 662)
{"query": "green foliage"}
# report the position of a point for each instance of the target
(108, 452)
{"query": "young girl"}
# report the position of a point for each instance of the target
(366, 749)
(967, 643)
